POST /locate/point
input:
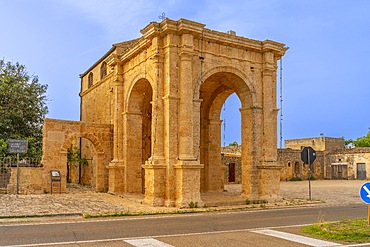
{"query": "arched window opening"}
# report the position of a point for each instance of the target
(90, 80)
(296, 169)
(103, 70)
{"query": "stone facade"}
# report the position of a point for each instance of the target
(351, 163)
(333, 160)
(322, 143)
(163, 94)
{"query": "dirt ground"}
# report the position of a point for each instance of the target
(82, 200)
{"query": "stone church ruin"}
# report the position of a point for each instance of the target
(150, 116)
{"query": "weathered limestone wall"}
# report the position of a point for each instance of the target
(57, 137)
(294, 167)
(351, 158)
(317, 143)
(30, 181)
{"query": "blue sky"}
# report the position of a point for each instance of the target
(326, 85)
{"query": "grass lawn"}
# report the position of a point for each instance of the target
(356, 230)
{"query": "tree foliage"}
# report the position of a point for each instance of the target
(74, 160)
(360, 142)
(235, 143)
(22, 107)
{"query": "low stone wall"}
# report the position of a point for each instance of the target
(30, 181)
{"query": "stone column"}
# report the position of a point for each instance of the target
(101, 182)
(188, 166)
(269, 170)
(157, 151)
(132, 151)
(213, 170)
(171, 146)
(251, 118)
(155, 167)
(186, 149)
(116, 167)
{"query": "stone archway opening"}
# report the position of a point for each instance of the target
(58, 135)
(87, 172)
(81, 161)
(214, 92)
(138, 142)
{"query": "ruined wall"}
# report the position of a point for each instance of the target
(317, 143)
(30, 181)
(58, 135)
(349, 159)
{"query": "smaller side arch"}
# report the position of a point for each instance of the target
(132, 83)
(57, 137)
(89, 136)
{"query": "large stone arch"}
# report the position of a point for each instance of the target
(57, 137)
(215, 89)
(179, 63)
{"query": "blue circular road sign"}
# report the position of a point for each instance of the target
(365, 192)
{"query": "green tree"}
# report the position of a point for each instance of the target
(235, 143)
(22, 107)
(360, 142)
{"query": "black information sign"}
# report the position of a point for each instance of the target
(308, 155)
(17, 146)
(55, 176)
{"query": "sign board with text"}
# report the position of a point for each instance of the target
(17, 146)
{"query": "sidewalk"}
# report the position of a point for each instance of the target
(81, 200)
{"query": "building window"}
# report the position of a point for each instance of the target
(90, 80)
(103, 70)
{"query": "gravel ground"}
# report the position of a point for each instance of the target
(81, 200)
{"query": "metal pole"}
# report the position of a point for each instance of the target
(17, 186)
(368, 214)
(309, 174)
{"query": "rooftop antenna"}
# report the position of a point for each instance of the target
(224, 123)
(162, 16)
(281, 103)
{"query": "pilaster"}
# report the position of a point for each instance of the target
(251, 118)
(155, 184)
(188, 183)
(186, 125)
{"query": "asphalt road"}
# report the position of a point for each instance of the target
(112, 231)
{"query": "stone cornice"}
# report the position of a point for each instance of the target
(199, 31)
(272, 46)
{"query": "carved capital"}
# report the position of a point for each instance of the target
(113, 60)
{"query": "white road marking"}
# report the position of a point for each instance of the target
(136, 218)
(171, 235)
(296, 238)
(147, 242)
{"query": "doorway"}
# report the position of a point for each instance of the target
(361, 171)
(231, 172)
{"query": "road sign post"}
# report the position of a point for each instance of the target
(308, 156)
(17, 146)
(365, 196)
